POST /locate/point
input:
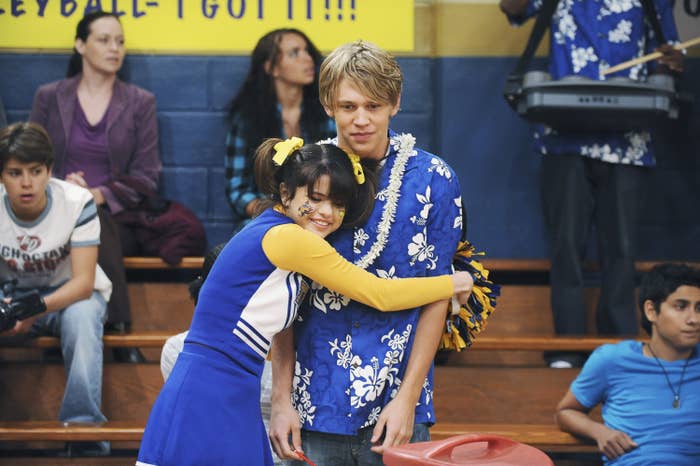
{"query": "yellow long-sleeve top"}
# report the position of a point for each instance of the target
(256, 286)
(291, 247)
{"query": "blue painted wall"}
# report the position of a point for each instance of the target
(452, 105)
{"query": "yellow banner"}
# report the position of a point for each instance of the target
(210, 26)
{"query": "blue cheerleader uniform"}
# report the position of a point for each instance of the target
(208, 412)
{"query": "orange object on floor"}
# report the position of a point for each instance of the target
(468, 449)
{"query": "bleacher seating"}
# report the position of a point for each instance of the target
(499, 386)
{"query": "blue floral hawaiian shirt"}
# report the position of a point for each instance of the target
(587, 37)
(351, 358)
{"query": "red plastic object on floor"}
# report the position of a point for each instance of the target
(468, 449)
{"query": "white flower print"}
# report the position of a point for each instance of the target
(420, 251)
(566, 25)
(342, 351)
(621, 33)
(637, 147)
(367, 382)
(325, 300)
(360, 237)
(392, 357)
(335, 300)
(387, 274)
(439, 167)
(372, 417)
(428, 391)
(604, 153)
(424, 199)
(301, 398)
(618, 6)
(397, 340)
(580, 57)
(458, 219)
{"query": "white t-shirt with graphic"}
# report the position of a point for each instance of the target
(37, 253)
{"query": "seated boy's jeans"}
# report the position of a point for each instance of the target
(79, 327)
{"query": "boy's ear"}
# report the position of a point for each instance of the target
(396, 107)
(329, 111)
(650, 311)
(269, 69)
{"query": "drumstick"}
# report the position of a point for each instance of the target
(652, 56)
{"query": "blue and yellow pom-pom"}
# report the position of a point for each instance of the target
(462, 326)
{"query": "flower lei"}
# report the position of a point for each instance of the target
(403, 145)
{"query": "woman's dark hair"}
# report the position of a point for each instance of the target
(82, 31)
(304, 166)
(662, 281)
(256, 101)
(196, 284)
(26, 143)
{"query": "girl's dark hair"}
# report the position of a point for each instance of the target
(256, 101)
(26, 143)
(196, 284)
(305, 166)
(662, 281)
(82, 31)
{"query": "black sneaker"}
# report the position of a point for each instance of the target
(128, 355)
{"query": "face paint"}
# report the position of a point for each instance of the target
(341, 213)
(305, 208)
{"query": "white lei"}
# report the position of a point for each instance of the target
(403, 144)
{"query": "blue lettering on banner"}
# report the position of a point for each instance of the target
(16, 8)
(42, 6)
(116, 10)
(209, 9)
(241, 9)
(235, 9)
(68, 7)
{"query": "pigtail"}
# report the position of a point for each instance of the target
(366, 193)
(265, 169)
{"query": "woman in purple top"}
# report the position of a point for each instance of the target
(105, 138)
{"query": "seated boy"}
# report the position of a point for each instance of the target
(650, 391)
(49, 232)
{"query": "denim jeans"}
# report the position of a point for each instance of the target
(348, 450)
(79, 326)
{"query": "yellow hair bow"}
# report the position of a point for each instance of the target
(357, 167)
(286, 147)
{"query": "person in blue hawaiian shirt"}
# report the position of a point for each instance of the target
(592, 177)
(362, 381)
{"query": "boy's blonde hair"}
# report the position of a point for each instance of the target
(374, 71)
